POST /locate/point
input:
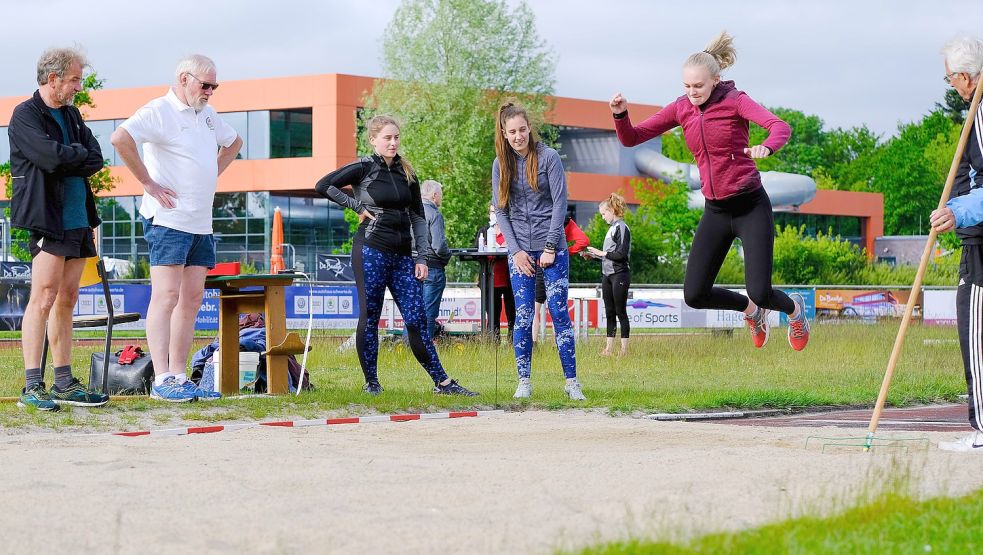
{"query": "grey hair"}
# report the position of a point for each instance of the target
(57, 61)
(429, 187)
(717, 56)
(964, 55)
(194, 64)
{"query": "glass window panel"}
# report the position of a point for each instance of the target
(231, 225)
(228, 205)
(4, 146)
(256, 204)
(290, 133)
(103, 131)
(239, 122)
(259, 135)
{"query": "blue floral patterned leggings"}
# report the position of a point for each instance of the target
(524, 288)
(374, 271)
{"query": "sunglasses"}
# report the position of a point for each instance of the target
(205, 86)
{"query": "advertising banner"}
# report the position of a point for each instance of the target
(862, 304)
(940, 307)
(334, 267)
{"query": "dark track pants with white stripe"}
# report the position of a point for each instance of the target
(969, 319)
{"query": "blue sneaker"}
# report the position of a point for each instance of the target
(201, 394)
(37, 397)
(172, 392)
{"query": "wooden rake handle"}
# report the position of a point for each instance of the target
(926, 255)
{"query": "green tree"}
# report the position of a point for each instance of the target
(448, 65)
(101, 181)
(910, 170)
(662, 228)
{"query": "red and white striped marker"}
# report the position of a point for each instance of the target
(306, 423)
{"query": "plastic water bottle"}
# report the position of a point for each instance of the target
(481, 243)
(490, 241)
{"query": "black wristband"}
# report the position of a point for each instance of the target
(621, 115)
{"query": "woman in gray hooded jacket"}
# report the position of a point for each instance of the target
(529, 191)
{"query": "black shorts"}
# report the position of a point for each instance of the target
(77, 243)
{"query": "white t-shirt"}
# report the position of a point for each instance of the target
(180, 150)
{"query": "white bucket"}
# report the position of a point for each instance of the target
(248, 370)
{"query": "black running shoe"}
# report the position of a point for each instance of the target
(76, 394)
(372, 388)
(454, 388)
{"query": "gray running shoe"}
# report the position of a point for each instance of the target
(574, 391)
(524, 390)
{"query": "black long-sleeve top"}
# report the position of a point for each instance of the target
(617, 249)
(384, 191)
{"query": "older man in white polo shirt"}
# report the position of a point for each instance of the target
(186, 146)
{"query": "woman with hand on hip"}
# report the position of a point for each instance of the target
(529, 191)
(392, 229)
(714, 116)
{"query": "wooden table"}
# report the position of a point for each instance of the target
(254, 293)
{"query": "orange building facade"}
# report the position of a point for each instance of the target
(296, 129)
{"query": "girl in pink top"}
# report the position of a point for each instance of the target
(714, 116)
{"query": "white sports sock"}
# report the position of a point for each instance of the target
(159, 378)
(181, 378)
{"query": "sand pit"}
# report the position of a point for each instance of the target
(527, 482)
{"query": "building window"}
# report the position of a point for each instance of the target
(4, 146)
(311, 225)
(290, 133)
(589, 150)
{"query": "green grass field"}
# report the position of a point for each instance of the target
(890, 524)
(843, 365)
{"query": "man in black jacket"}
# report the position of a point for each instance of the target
(52, 152)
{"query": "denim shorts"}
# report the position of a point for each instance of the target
(172, 247)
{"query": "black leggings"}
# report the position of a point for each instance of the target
(614, 290)
(749, 217)
(504, 295)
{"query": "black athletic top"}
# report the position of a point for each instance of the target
(969, 177)
(383, 190)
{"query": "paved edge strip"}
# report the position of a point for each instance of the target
(308, 423)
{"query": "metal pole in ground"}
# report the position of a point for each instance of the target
(917, 285)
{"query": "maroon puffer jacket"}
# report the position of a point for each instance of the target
(717, 134)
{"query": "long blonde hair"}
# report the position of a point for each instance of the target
(507, 168)
(717, 56)
(375, 125)
(616, 203)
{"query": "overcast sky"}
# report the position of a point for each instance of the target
(849, 62)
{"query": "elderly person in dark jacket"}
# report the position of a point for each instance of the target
(963, 214)
(52, 153)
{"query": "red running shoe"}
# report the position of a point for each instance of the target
(798, 328)
(758, 323)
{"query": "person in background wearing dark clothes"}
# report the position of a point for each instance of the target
(573, 234)
(614, 268)
(389, 250)
(715, 116)
(963, 213)
(440, 253)
(502, 292)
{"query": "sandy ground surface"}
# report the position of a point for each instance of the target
(530, 482)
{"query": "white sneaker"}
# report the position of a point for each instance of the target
(574, 392)
(524, 390)
(973, 443)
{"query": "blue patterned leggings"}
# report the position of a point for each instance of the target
(524, 288)
(374, 271)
